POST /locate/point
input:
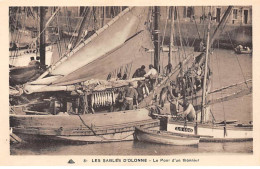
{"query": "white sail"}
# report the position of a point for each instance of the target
(78, 65)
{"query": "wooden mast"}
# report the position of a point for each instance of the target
(42, 36)
(171, 36)
(203, 109)
(156, 38)
(209, 43)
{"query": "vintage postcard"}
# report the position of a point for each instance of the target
(129, 83)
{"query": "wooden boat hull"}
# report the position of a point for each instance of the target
(213, 133)
(23, 57)
(161, 137)
(101, 127)
(21, 75)
(113, 137)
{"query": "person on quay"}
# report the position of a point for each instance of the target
(152, 75)
(130, 95)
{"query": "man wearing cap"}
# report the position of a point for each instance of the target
(130, 95)
(152, 75)
(189, 111)
(140, 72)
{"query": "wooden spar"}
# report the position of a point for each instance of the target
(226, 87)
(205, 73)
(82, 26)
(42, 36)
(221, 23)
(171, 35)
(231, 96)
(156, 38)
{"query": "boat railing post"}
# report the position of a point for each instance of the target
(163, 123)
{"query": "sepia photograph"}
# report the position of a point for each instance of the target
(120, 81)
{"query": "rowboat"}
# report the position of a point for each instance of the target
(165, 137)
(238, 51)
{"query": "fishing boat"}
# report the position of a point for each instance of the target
(91, 128)
(73, 103)
(28, 63)
(24, 47)
(211, 130)
(165, 137)
(22, 57)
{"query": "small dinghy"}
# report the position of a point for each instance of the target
(165, 137)
(242, 50)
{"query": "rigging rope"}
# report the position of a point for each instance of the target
(203, 22)
(77, 27)
(178, 19)
(196, 27)
(220, 81)
(58, 42)
(101, 136)
(240, 67)
(165, 26)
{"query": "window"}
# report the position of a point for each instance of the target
(235, 13)
(81, 10)
(108, 12)
(218, 14)
(188, 12)
(69, 13)
(245, 16)
(170, 13)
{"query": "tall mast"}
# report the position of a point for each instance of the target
(171, 35)
(156, 38)
(203, 109)
(42, 35)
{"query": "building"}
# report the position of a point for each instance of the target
(192, 20)
(240, 15)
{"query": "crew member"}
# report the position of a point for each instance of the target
(168, 69)
(140, 72)
(130, 95)
(198, 74)
(152, 76)
(189, 111)
(170, 93)
(140, 91)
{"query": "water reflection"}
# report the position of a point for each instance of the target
(128, 148)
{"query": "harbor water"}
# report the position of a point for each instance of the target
(227, 67)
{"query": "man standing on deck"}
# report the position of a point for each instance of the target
(140, 72)
(152, 75)
(189, 111)
(130, 95)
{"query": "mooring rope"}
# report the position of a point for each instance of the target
(83, 122)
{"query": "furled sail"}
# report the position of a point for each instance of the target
(122, 40)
